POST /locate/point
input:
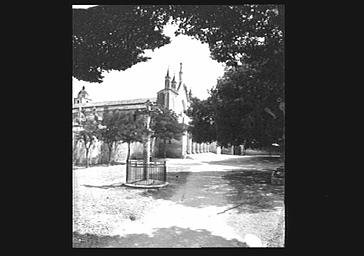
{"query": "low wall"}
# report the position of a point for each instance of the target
(99, 153)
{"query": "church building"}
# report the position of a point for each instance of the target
(174, 96)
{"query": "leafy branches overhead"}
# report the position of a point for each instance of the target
(249, 39)
(232, 32)
(114, 38)
(249, 35)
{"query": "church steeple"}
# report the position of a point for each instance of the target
(174, 82)
(167, 80)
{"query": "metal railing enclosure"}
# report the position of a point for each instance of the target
(138, 171)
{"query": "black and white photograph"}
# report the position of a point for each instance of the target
(178, 126)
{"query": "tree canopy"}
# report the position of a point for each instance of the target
(114, 37)
(130, 127)
(202, 125)
(240, 105)
(165, 125)
(249, 34)
(249, 39)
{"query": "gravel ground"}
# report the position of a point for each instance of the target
(101, 202)
(103, 207)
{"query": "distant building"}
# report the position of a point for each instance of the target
(174, 96)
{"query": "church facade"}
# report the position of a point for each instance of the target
(174, 96)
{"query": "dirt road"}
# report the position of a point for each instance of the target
(211, 201)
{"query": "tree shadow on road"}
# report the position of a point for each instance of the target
(175, 180)
(249, 162)
(251, 189)
(254, 191)
(115, 185)
(172, 237)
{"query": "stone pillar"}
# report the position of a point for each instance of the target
(188, 144)
(146, 150)
(218, 150)
(184, 145)
(232, 150)
(193, 150)
(204, 147)
(199, 148)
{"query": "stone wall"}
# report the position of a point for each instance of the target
(99, 153)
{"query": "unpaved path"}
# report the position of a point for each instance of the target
(211, 202)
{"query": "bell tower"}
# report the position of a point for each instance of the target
(167, 96)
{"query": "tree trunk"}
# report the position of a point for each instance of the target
(110, 153)
(165, 149)
(87, 157)
(127, 162)
(128, 154)
(244, 148)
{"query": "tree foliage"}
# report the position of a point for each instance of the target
(249, 39)
(109, 133)
(240, 104)
(130, 127)
(243, 34)
(165, 126)
(88, 135)
(114, 37)
(202, 125)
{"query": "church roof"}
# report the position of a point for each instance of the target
(118, 102)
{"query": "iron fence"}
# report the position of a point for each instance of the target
(138, 172)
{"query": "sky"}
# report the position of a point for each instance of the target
(145, 79)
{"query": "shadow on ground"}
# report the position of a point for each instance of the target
(115, 185)
(162, 238)
(251, 189)
(257, 161)
(254, 191)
